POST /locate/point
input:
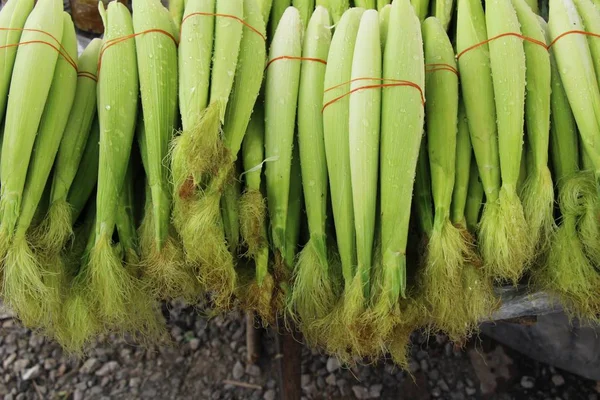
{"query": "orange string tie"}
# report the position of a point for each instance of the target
(89, 75)
(208, 14)
(502, 35)
(574, 32)
(110, 43)
(319, 60)
(392, 83)
(63, 52)
(441, 67)
(65, 56)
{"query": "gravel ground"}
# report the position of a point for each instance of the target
(207, 360)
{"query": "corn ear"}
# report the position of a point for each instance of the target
(382, 3)
(475, 198)
(537, 193)
(277, 10)
(533, 4)
(265, 10)
(423, 204)
(281, 96)
(177, 9)
(336, 8)
(366, 4)
(157, 64)
(575, 64)
(335, 127)
(33, 73)
(421, 8)
(402, 106)
(384, 22)
(313, 295)
(124, 219)
(12, 16)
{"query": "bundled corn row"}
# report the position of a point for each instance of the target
(347, 168)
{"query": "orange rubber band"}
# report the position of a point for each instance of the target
(562, 35)
(394, 83)
(108, 44)
(319, 60)
(64, 53)
(441, 67)
(89, 75)
(65, 56)
(514, 34)
(240, 20)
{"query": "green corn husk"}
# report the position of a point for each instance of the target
(12, 16)
(281, 96)
(176, 11)
(421, 8)
(314, 293)
(124, 219)
(569, 273)
(337, 152)
(464, 152)
(475, 199)
(162, 259)
(34, 70)
(231, 215)
(509, 79)
(533, 4)
(115, 295)
(265, 10)
(443, 10)
(423, 204)
(447, 249)
(195, 52)
(228, 37)
(364, 126)
(27, 289)
(253, 225)
(366, 4)
(576, 67)
(86, 177)
(590, 17)
(382, 3)
(277, 10)
(306, 8)
(384, 23)
(401, 106)
(293, 222)
(537, 193)
(56, 228)
(336, 8)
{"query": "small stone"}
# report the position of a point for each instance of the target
(333, 364)
(8, 360)
(135, 382)
(421, 355)
(413, 366)
(194, 344)
(270, 395)
(443, 385)
(89, 366)
(253, 370)
(448, 348)
(20, 365)
(148, 393)
(360, 392)
(592, 396)
(49, 363)
(238, 370)
(108, 368)
(434, 375)
(424, 365)
(105, 381)
(436, 392)
(527, 382)
(77, 395)
(62, 368)
(469, 382)
(304, 380)
(558, 380)
(96, 390)
(10, 338)
(32, 373)
(375, 391)
(470, 391)
(320, 382)
(330, 380)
